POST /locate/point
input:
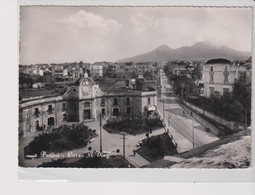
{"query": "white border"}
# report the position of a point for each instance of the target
(120, 175)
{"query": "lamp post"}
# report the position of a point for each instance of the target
(164, 110)
(193, 134)
(100, 122)
(246, 118)
(124, 142)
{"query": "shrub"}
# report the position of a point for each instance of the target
(60, 139)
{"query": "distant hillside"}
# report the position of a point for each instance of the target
(198, 51)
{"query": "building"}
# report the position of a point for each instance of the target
(219, 76)
(38, 85)
(47, 76)
(144, 67)
(96, 69)
(179, 70)
(83, 101)
(60, 73)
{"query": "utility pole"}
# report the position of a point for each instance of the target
(164, 110)
(124, 142)
(193, 133)
(245, 118)
(100, 122)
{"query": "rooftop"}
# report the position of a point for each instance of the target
(218, 61)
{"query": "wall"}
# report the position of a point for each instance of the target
(218, 77)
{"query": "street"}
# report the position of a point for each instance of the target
(186, 131)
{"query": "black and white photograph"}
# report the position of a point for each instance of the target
(135, 87)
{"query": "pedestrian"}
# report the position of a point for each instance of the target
(134, 152)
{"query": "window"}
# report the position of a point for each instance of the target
(64, 106)
(37, 125)
(86, 104)
(128, 110)
(211, 91)
(242, 77)
(225, 78)
(128, 101)
(37, 113)
(50, 108)
(149, 100)
(115, 111)
(115, 101)
(64, 117)
(102, 102)
(211, 79)
(225, 91)
(103, 111)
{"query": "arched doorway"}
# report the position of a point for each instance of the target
(115, 111)
(51, 121)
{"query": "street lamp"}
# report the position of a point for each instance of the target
(124, 142)
(100, 123)
(164, 110)
(193, 134)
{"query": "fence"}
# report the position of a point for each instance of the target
(230, 124)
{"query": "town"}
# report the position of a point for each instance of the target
(131, 114)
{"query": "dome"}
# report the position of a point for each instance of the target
(218, 61)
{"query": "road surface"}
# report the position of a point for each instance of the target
(186, 131)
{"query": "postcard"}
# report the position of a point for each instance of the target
(135, 88)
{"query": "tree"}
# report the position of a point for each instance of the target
(197, 72)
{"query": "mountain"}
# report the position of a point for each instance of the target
(198, 51)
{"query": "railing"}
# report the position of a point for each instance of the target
(230, 124)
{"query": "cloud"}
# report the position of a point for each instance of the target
(94, 25)
(142, 22)
(112, 33)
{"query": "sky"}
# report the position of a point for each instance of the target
(50, 34)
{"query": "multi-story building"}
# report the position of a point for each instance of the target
(219, 76)
(83, 101)
(179, 70)
(96, 69)
(60, 73)
(144, 67)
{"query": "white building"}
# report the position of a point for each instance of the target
(219, 76)
(96, 69)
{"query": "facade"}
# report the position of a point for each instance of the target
(144, 67)
(96, 70)
(179, 70)
(83, 101)
(219, 76)
(60, 73)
